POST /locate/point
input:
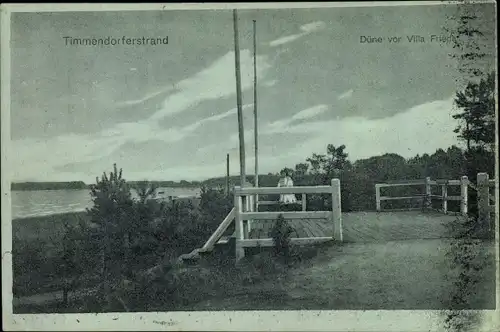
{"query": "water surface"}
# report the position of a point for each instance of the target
(46, 202)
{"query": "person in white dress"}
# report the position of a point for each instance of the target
(286, 181)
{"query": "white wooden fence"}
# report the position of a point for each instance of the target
(486, 203)
(244, 213)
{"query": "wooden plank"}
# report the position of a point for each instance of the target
(325, 226)
(282, 190)
(405, 182)
(256, 230)
(318, 231)
(454, 198)
(266, 229)
(286, 215)
(209, 245)
(377, 197)
(336, 216)
(307, 228)
(278, 203)
(387, 198)
(402, 210)
(239, 251)
(296, 241)
(401, 184)
(299, 227)
(222, 240)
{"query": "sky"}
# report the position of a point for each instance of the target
(168, 112)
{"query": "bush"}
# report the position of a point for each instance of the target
(281, 234)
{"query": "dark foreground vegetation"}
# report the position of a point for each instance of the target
(123, 251)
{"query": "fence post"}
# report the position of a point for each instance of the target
(428, 193)
(377, 197)
(304, 202)
(483, 200)
(464, 181)
(240, 251)
(336, 210)
(251, 207)
(246, 223)
(444, 193)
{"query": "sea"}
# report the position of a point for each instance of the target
(46, 202)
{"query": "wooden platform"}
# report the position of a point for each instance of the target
(368, 226)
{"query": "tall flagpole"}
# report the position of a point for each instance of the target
(238, 100)
(256, 129)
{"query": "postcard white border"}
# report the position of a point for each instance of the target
(373, 320)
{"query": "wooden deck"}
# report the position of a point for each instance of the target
(367, 226)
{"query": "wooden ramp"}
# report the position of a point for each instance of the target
(367, 226)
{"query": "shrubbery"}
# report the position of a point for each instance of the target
(281, 235)
(127, 236)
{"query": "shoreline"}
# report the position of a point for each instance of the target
(193, 198)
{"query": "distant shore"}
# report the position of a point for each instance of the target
(80, 185)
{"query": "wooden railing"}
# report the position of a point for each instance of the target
(244, 213)
(485, 201)
(209, 245)
(302, 202)
(427, 196)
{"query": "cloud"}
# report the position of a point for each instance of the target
(194, 126)
(270, 83)
(421, 129)
(310, 112)
(279, 126)
(345, 95)
(306, 28)
(313, 26)
(37, 158)
(285, 39)
(146, 97)
(216, 81)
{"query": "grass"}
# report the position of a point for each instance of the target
(403, 275)
(389, 275)
(36, 247)
(399, 275)
(44, 228)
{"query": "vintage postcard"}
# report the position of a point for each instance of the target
(250, 167)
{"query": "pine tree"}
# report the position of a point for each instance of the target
(477, 116)
(112, 212)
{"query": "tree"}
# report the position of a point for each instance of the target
(145, 190)
(337, 160)
(301, 170)
(288, 171)
(477, 116)
(472, 31)
(317, 162)
(145, 210)
(113, 207)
